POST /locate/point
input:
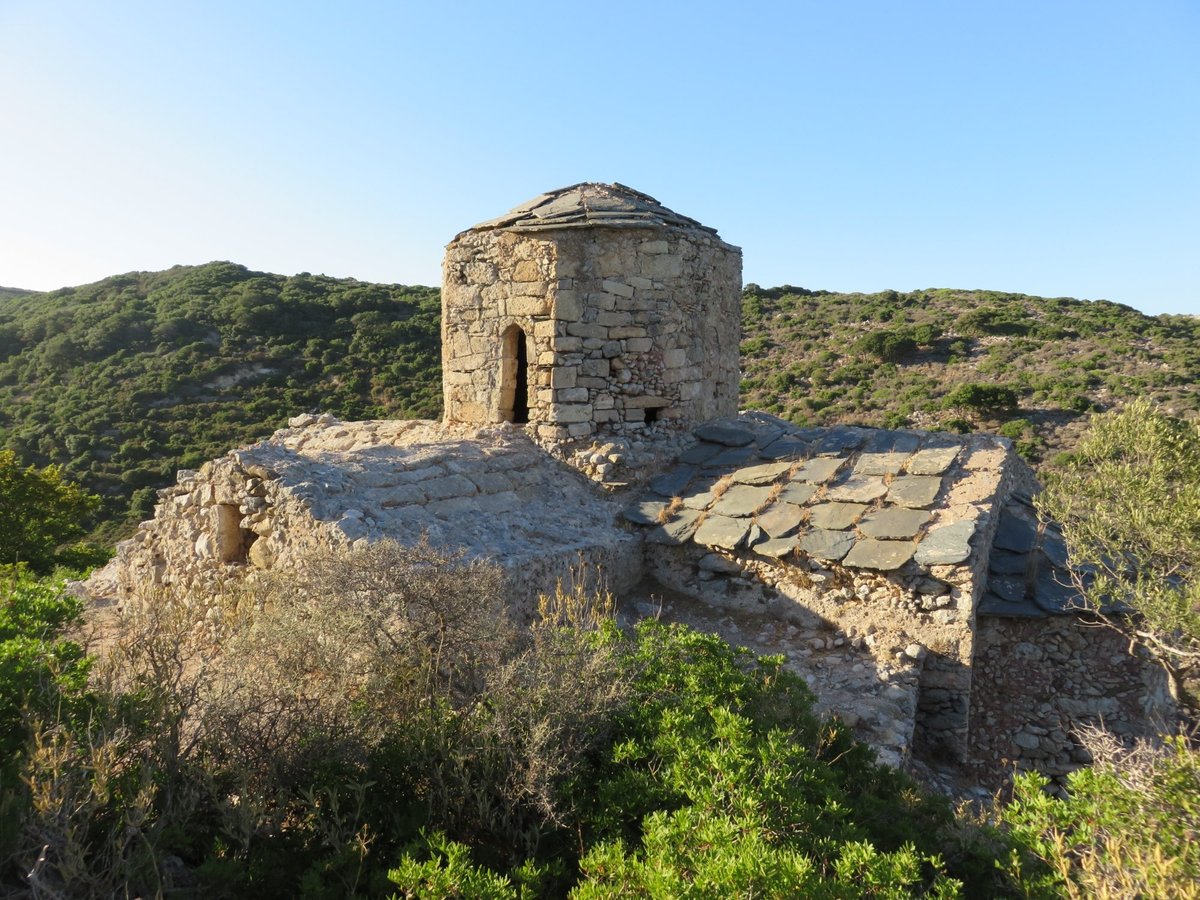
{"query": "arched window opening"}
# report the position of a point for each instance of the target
(514, 377)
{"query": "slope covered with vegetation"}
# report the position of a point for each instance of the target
(1029, 367)
(124, 381)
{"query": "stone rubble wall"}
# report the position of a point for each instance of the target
(619, 322)
(878, 536)
(322, 485)
(1037, 681)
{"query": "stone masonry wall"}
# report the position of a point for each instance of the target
(623, 327)
(322, 485)
(1037, 681)
(860, 531)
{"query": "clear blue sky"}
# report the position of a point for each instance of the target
(1043, 147)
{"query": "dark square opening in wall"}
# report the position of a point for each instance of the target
(651, 414)
(233, 541)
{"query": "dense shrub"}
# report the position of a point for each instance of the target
(984, 398)
(40, 511)
(1127, 827)
(891, 346)
(380, 717)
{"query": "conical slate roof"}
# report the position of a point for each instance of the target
(590, 205)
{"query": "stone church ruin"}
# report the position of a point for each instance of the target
(590, 371)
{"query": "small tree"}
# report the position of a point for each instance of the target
(982, 398)
(39, 512)
(1129, 505)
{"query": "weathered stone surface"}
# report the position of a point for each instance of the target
(672, 484)
(836, 516)
(729, 435)
(695, 498)
(741, 500)
(731, 456)
(699, 453)
(883, 556)
(764, 473)
(780, 519)
(722, 565)
(1007, 587)
(1054, 592)
(785, 448)
(797, 492)
(931, 460)
(880, 463)
(946, 544)
(1005, 562)
(858, 489)
(1016, 533)
(776, 548)
(893, 523)
(1054, 547)
(891, 442)
(644, 512)
(839, 439)
(992, 605)
(818, 471)
(676, 530)
(722, 531)
(827, 545)
(916, 491)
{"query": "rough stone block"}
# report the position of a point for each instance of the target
(616, 287)
(584, 330)
(614, 318)
(723, 532)
(626, 331)
(859, 489)
(742, 500)
(566, 306)
(827, 545)
(836, 516)
(526, 270)
(564, 344)
(639, 345)
(663, 267)
(566, 413)
(563, 378)
(893, 523)
(883, 556)
(673, 359)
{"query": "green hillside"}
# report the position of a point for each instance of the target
(1028, 367)
(126, 380)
